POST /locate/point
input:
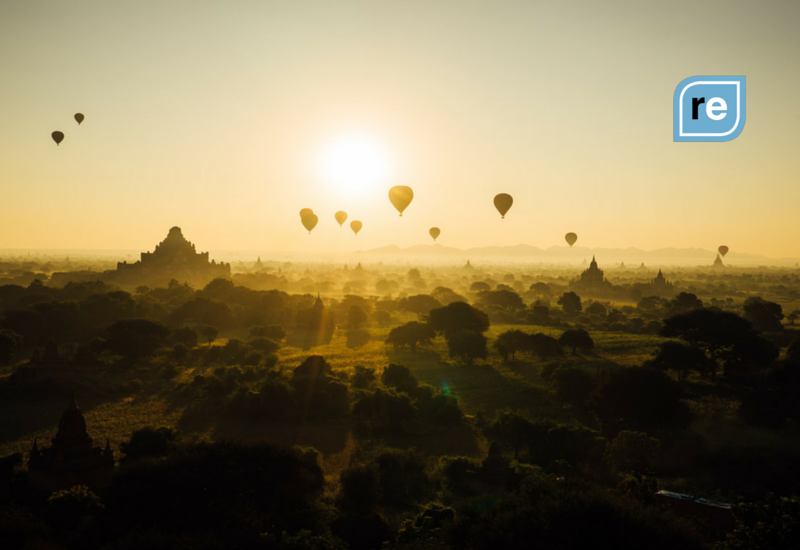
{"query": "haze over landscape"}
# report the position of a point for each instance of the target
(363, 275)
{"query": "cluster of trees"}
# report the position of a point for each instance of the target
(461, 325)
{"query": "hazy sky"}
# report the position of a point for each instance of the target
(213, 116)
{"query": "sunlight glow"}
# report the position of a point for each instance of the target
(355, 163)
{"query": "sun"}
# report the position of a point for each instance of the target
(355, 163)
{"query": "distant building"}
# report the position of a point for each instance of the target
(718, 262)
(468, 265)
(173, 258)
(591, 281)
(659, 286)
(72, 459)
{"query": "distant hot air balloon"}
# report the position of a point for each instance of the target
(434, 233)
(503, 202)
(341, 217)
(57, 136)
(79, 118)
(723, 250)
(356, 226)
(401, 197)
(570, 238)
(306, 212)
(310, 221)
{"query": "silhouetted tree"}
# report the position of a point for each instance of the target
(9, 342)
(421, 304)
(570, 303)
(355, 317)
(185, 335)
(467, 344)
(148, 443)
(411, 334)
(505, 299)
(683, 303)
(458, 316)
(640, 399)
(573, 385)
(210, 334)
(136, 337)
(510, 342)
(576, 339)
(544, 346)
(764, 316)
(680, 358)
(596, 308)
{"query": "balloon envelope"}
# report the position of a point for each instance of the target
(356, 225)
(310, 221)
(571, 238)
(401, 196)
(306, 212)
(434, 232)
(341, 217)
(79, 118)
(57, 136)
(503, 202)
(723, 250)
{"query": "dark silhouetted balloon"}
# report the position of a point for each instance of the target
(503, 202)
(723, 250)
(310, 221)
(341, 217)
(356, 226)
(58, 137)
(79, 118)
(401, 197)
(571, 238)
(434, 233)
(306, 212)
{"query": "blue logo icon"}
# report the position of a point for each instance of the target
(709, 108)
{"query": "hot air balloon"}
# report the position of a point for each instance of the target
(341, 217)
(57, 136)
(79, 118)
(723, 250)
(306, 212)
(310, 221)
(356, 225)
(503, 202)
(401, 197)
(571, 238)
(434, 233)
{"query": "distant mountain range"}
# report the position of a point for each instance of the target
(523, 253)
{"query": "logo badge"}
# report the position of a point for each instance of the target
(709, 108)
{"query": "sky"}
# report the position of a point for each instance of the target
(218, 117)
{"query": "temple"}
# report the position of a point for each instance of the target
(718, 262)
(591, 280)
(173, 258)
(659, 286)
(72, 459)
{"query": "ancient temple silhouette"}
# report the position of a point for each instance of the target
(659, 286)
(591, 280)
(71, 459)
(718, 262)
(173, 258)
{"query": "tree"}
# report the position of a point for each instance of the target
(510, 342)
(640, 399)
(680, 358)
(446, 295)
(479, 286)
(683, 303)
(148, 443)
(411, 334)
(723, 336)
(596, 308)
(792, 317)
(186, 336)
(570, 303)
(577, 339)
(9, 343)
(505, 299)
(633, 452)
(458, 316)
(573, 385)
(421, 304)
(135, 338)
(467, 344)
(210, 334)
(541, 289)
(765, 316)
(793, 353)
(544, 346)
(355, 317)
(399, 377)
